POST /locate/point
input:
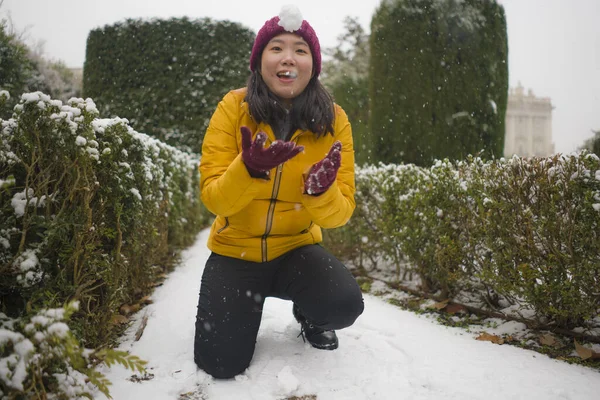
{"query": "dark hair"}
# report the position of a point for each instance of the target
(312, 110)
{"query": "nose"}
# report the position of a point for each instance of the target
(288, 58)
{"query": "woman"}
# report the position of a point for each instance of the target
(271, 202)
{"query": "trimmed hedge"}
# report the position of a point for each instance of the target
(526, 231)
(438, 77)
(165, 76)
(91, 212)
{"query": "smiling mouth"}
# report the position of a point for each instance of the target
(287, 74)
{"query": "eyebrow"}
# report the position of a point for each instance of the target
(299, 42)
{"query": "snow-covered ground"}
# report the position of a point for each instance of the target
(387, 354)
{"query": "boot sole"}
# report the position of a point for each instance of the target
(324, 346)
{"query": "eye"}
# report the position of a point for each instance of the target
(301, 51)
(276, 48)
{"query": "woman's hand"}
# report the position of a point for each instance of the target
(323, 173)
(260, 160)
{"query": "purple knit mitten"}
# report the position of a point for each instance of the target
(260, 160)
(323, 173)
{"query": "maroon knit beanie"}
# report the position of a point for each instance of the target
(271, 28)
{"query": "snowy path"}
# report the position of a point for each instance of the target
(388, 354)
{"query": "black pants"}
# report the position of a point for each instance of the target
(233, 292)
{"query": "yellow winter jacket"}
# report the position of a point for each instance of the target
(257, 219)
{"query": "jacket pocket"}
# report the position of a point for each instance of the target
(307, 229)
(221, 229)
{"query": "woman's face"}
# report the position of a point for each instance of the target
(286, 65)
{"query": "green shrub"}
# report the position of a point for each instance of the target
(368, 238)
(523, 229)
(89, 210)
(537, 225)
(43, 359)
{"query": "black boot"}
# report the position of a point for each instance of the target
(317, 337)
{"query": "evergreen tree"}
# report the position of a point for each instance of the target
(596, 143)
(16, 69)
(593, 144)
(438, 79)
(53, 78)
(346, 76)
(24, 70)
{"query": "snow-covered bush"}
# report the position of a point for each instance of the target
(367, 240)
(41, 358)
(536, 223)
(406, 216)
(90, 210)
(429, 227)
(527, 229)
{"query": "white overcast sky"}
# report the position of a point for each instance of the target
(554, 45)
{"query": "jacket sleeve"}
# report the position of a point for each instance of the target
(335, 206)
(226, 187)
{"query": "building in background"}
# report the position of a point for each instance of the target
(528, 125)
